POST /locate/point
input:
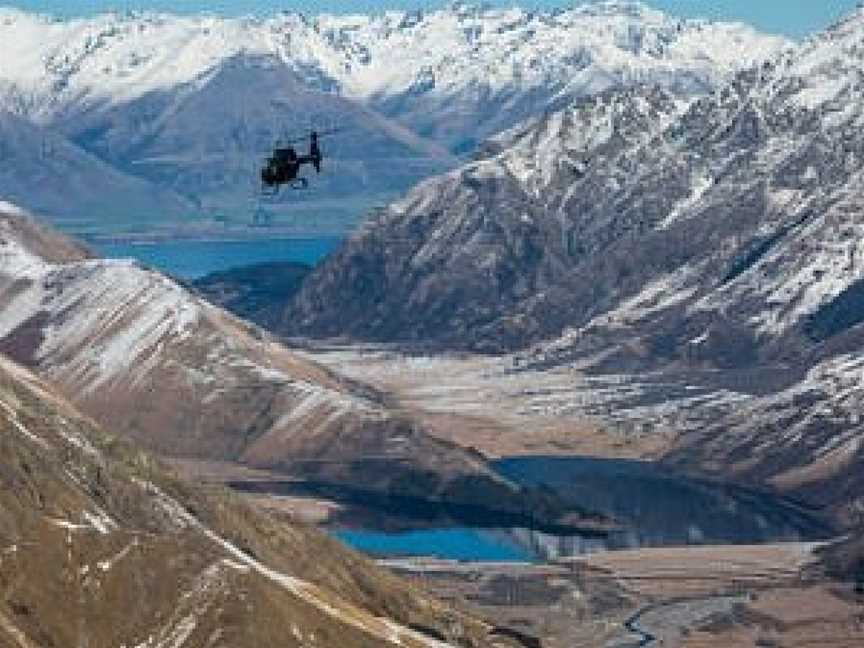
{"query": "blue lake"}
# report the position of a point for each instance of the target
(194, 259)
(454, 543)
(654, 509)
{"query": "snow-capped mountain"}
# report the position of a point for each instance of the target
(207, 139)
(760, 212)
(102, 547)
(627, 202)
(193, 102)
(472, 72)
(641, 234)
(443, 54)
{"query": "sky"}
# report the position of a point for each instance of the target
(795, 18)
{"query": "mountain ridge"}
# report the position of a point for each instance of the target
(768, 118)
(139, 90)
(346, 45)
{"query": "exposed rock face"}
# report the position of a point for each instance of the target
(184, 378)
(483, 257)
(712, 249)
(759, 269)
(99, 546)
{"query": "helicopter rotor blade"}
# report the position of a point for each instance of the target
(331, 131)
(321, 133)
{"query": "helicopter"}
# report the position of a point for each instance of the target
(283, 165)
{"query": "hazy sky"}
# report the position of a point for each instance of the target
(793, 17)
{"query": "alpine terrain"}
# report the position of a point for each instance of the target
(194, 103)
(593, 375)
(706, 254)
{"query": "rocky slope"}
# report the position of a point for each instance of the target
(481, 257)
(139, 558)
(193, 102)
(184, 378)
(630, 206)
(704, 256)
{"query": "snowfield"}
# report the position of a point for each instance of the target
(118, 57)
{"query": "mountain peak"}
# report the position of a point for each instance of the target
(823, 74)
(852, 21)
(464, 8)
(632, 8)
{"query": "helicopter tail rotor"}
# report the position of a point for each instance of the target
(315, 151)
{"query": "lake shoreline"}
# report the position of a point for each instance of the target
(650, 512)
(196, 257)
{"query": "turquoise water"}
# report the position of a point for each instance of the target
(455, 544)
(653, 507)
(194, 259)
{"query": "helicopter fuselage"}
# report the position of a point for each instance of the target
(284, 165)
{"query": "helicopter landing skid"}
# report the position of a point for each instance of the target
(271, 191)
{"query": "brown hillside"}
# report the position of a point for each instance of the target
(99, 546)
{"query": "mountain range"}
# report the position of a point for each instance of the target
(709, 248)
(192, 104)
(649, 210)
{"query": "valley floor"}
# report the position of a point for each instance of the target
(683, 597)
(690, 597)
(744, 596)
(694, 597)
(481, 401)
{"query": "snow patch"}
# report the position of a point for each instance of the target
(12, 209)
(12, 417)
(178, 517)
(108, 564)
(100, 521)
(700, 184)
